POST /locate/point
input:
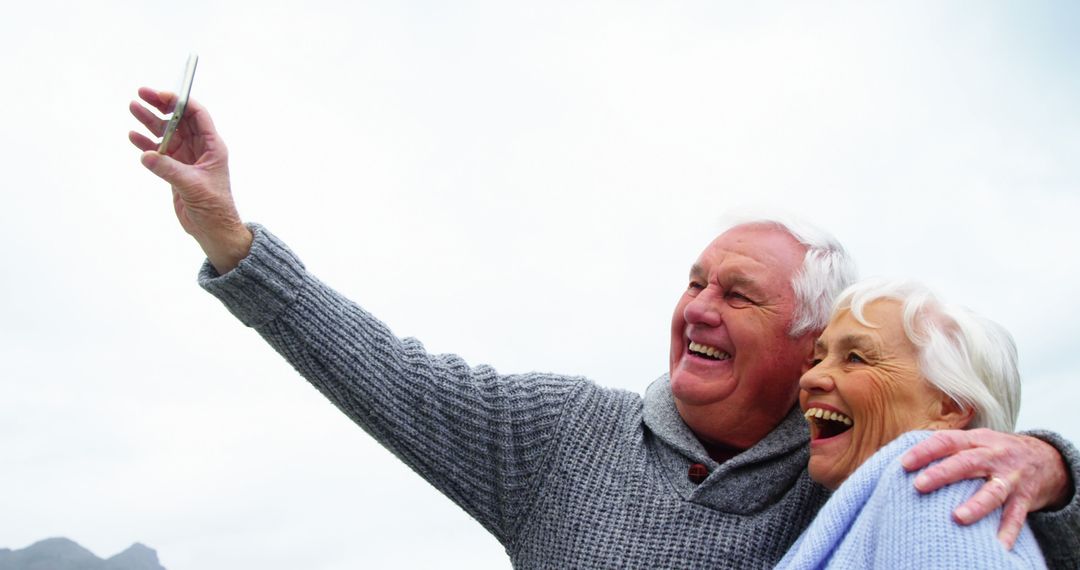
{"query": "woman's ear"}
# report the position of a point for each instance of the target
(951, 414)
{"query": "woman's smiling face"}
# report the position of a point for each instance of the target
(865, 390)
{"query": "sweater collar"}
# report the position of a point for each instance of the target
(745, 483)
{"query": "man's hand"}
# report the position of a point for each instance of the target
(1023, 473)
(196, 165)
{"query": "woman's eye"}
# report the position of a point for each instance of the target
(695, 286)
(815, 362)
(855, 359)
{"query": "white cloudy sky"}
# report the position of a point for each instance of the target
(524, 184)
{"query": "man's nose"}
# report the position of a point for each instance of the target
(704, 309)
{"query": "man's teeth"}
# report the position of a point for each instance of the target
(827, 415)
(710, 351)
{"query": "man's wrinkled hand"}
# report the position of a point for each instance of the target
(1023, 474)
(196, 166)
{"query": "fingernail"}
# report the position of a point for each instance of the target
(962, 513)
(921, 482)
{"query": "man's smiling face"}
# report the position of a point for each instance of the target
(729, 332)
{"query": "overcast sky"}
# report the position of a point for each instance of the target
(524, 184)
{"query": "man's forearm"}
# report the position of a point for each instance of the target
(475, 435)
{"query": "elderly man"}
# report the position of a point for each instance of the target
(707, 470)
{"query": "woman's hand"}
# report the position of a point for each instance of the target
(196, 165)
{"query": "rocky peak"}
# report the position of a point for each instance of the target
(66, 554)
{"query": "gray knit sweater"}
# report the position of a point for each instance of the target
(566, 474)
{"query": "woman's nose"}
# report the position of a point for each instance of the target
(817, 378)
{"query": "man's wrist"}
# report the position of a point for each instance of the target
(1063, 486)
(1062, 491)
(226, 251)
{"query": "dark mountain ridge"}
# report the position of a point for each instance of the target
(65, 554)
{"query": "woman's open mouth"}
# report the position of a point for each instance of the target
(825, 424)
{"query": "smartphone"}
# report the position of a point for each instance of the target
(181, 101)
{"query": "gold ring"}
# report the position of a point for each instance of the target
(1004, 483)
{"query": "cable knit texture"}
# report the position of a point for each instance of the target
(566, 474)
(877, 519)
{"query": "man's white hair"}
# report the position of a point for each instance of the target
(968, 357)
(826, 270)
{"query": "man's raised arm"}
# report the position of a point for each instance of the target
(479, 437)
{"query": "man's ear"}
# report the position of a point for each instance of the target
(808, 340)
(952, 414)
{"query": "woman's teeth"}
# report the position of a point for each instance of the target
(708, 351)
(826, 423)
(827, 415)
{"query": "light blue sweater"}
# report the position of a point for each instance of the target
(877, 519)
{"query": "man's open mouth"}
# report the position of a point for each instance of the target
(827, 423)
(709, 352)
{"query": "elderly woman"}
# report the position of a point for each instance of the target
(894, 362)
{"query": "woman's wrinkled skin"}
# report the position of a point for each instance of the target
(871, 376)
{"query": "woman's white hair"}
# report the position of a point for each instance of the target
(968, 357)
(826, 270)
